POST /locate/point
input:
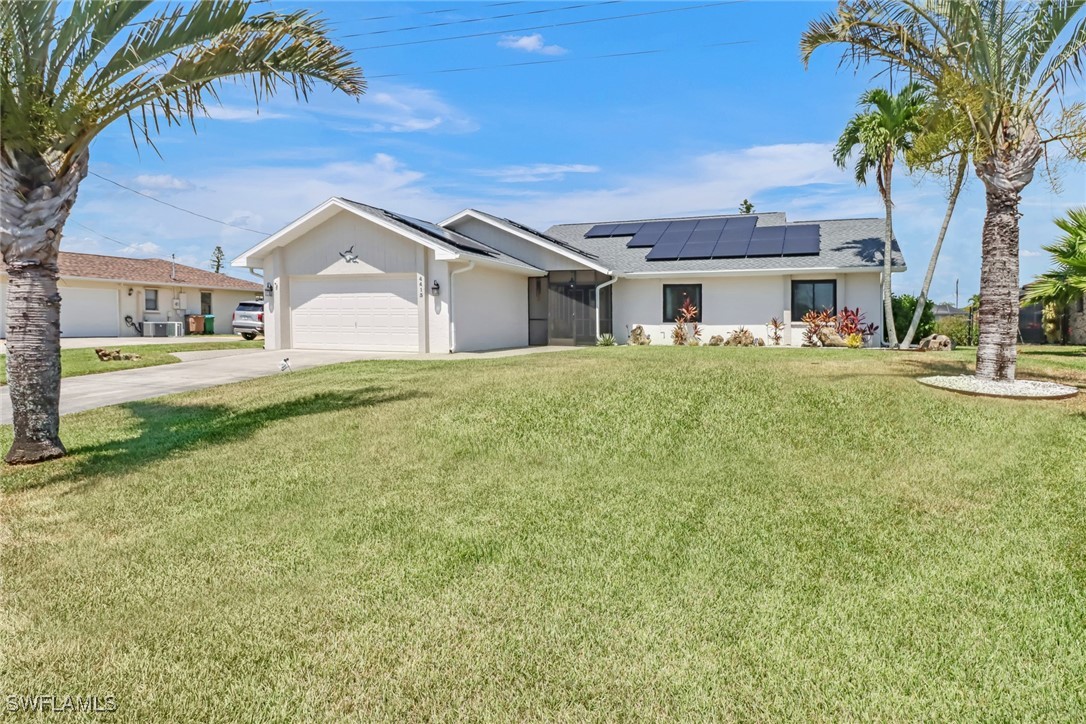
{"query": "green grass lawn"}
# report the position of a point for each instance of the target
(612, 533)
(76, 362)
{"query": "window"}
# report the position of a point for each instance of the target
(150, 300)
(205, 302)
(813, 295)
(675, 295)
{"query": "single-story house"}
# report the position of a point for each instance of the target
(351, 276)
(113, 296)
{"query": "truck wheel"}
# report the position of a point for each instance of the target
(248, 336)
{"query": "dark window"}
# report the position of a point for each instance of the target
(205, 302)
(150, 300)
(814, 295)
(675, 295)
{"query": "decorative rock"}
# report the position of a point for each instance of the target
(936, 343)
(114, 355)
(759, 342)
(1020, 389)
(740, 338)
(829, 338)
(638, 336)
(716, 340)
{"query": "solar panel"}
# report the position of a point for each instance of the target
(766, 241)
(652, 226)
(701, 243)
(801, 240)
(645, 239)
(664, 252)
(730, 249)
(711, 224)
(600, 230)
(734, 239)
(626, 229)
(450, 237)
(683, 225)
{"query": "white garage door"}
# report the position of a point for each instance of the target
(358, 314)
(86, 312)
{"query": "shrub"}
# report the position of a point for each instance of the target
(775, 328)
(816, 322)
(686, 329)
(853, 321)
(716, 340)
(957, 328)
(1051, 316)
(742, 337)
(605, 340)
(904, 306)
(854, 340)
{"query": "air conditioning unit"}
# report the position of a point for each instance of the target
(175, 329)
(155, 329)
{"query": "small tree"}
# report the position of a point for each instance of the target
(746, 207)
(217, 257)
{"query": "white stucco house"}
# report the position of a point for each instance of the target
(113, 296)
(351, 276)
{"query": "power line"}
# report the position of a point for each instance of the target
(480, 20)
(432, 12)
(568, 23)
(107, 237)
(174, 206)
(548, 61)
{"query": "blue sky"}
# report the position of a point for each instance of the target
(725, 111)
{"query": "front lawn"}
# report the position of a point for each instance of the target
(76, 362)
(618, 533)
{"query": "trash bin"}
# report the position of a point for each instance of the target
(194, 323)
(209, 324)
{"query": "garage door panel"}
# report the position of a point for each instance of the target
(356, 314)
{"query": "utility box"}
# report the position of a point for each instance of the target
(194, 323)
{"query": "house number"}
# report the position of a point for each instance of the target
(422, 287)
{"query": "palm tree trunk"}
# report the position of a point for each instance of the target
(997, 348)
(35, 204)
(955, 190)
(1004, 174)
(888, 257)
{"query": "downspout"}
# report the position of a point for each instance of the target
(601, 286)
(452, 311)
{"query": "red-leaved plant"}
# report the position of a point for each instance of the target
(687, 330)
(852, 321)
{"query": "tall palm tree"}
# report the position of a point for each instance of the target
(64, 80)
(1066, 281)
(1004, 66)
(876, 136)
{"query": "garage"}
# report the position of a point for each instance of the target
(355, 313)
(88, 312)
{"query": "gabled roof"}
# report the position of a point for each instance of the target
(74, 265)
(529, 234)
(448, 244)
(845, 245)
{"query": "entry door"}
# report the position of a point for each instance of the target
(572, 313)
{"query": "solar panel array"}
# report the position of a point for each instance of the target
(449, 237)
(714, 238)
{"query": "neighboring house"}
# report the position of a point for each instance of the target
(351, 276)
(1031, 322)
(948, 310)
(112, 296)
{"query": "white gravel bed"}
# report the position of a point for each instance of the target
(1021, 389)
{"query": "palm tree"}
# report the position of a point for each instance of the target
(65, 79)
(1001, 65)
(942, 148)
(1066, 282)
(876, 137)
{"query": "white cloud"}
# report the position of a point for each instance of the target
(533, 43)
(537, 172)
(161, 182)
(1030, 253)
(405, 109)
(242, 114)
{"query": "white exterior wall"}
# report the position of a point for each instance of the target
(515, 246)
(730, 302)
(490, 310)
(90, 308)
(437, 307)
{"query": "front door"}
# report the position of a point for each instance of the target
(571, 310)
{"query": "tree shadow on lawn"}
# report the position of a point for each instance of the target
(170, 428)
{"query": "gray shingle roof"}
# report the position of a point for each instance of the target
(445, 238)
(845, 244)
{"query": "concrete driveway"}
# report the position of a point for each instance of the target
(198, 370)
